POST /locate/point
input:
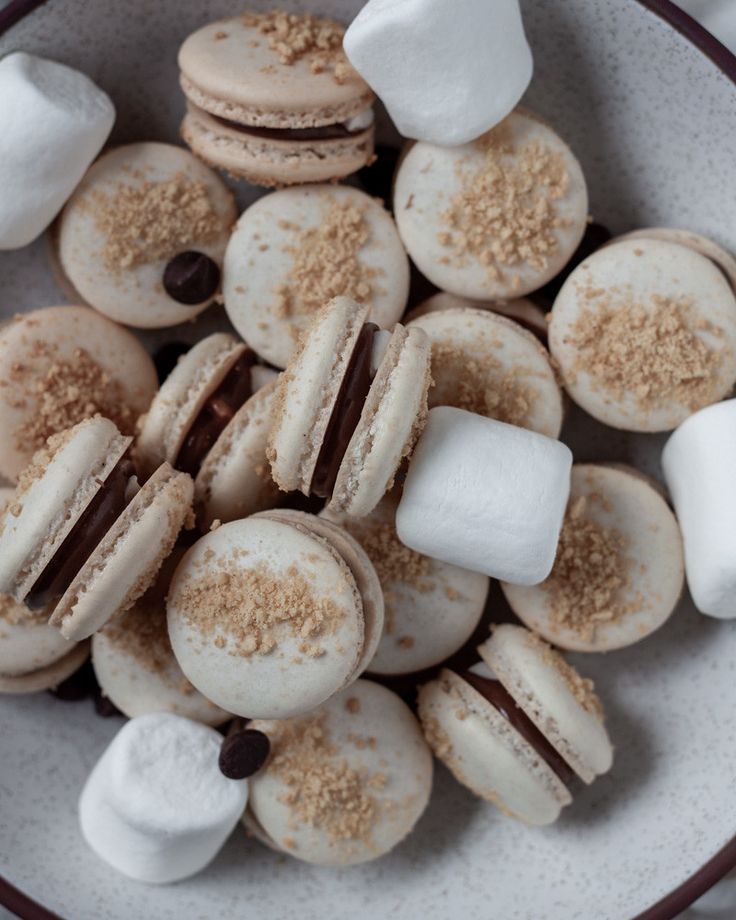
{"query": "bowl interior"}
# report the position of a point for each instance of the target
(653, 122)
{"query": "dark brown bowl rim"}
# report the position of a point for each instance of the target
(673, 904)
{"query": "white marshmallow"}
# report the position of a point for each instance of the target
(486, 496)
(54, 123)
(445, 74)
(699, 462)
(156, 806)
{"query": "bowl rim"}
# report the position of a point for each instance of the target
(702, 880)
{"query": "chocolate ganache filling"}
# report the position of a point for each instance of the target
(501, 699)
(82, 540)
(220, 407)
(345, 414)
(321, 133)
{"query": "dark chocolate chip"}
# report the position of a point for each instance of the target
(596, 235)
(377, 179)
(79, 686)
(244, 753)
(167, 357)
(191, 278)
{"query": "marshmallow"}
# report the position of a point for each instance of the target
(445, 75)
(486, 496)
(55, 121)
(156, 806)
(699, 462)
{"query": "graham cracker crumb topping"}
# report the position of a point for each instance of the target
(38, 465)
(323, 790)
(505, 213)
(326, 262)
(254, 607)
(294, 36)
(590, 572)
(650, 350)
(148, 221)
(582, 688)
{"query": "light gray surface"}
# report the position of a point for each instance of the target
(654, 125)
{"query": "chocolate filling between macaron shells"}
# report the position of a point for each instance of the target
(335, 131)
(215, 415)
(496, 694)
(345, 413)
(90, 529)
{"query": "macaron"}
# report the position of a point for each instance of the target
(619, 571)
(431, 608)
(344, 783)
(644, 334)
(349, 408)
(33, 655)
(210, 419)
(135, 665)
(495, 218)
(80, 538)
(60, 365)
(518, 731)
(489, 364)
(520, 309)
(295, 249)
(143, 236)
(271, 97)
(271, 615)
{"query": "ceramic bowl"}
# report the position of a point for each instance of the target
(647, 101)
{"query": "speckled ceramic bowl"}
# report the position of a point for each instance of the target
(647, 101)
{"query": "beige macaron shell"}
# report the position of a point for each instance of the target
(135, 295)
(48, 677)
(374, 734)
(308, 391)
(390, 422)
(430, 177)
(520, 309)
(228, 69)
(553, 695)
(40, 364)
(621, 500)
(235, 477)
(639, 269)
(261, 253)
(196, 376)
(478, 355)
(286, 680)
(127, 560)
(61, 482)
(274, 162)
(486, 753)
(432, 608)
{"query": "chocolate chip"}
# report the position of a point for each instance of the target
(596, 235)
(167, 357)
(105, 707)
(191, 278)
(377, 179)
(244, 753)
(80, 685)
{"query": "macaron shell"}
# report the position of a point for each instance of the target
(182, 395)
(260, 256)
(374, 734)
(618, 499)
(520, 309)
(235, 478)
(129, 557)
(391, 420)
(48, 341)
(501, 359)
(486, 754)
(643, 268)
(428, 179)
(48, 677)
(286, 681)
(273, 162)
(229, 69)
(308, 391)
(554, 696)
(58, 486)
(135, 295)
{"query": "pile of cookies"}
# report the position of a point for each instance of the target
(239, 531)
